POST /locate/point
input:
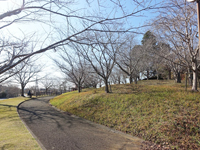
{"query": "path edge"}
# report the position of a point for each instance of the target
(33, 135)
(128, 136)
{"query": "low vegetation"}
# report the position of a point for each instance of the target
(13, 133)
(158, 111)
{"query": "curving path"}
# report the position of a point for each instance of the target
(57, 130)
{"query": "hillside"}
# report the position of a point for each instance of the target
(160, 112)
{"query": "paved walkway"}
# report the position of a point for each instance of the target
(57, 130)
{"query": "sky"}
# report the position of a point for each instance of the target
(46, 34)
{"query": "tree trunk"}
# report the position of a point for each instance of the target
(178, 77)
(46, 91)
(119, 80)
(190, 77)
(79, 87)
(106, 85)
(131, 79)
(135, 80)
(186, 77)
(147, 74)
(22, 91)
(169, 77)
(194, 69)
(100, 84)
(94, 85)
(157, 75)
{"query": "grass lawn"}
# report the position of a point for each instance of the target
(13, 133)
(161, 112)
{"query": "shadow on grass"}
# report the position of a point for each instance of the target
(7, 146)
(8, 105)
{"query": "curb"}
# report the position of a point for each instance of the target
(34, 136)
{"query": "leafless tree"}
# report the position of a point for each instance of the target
(116, 76)
(73, 66)
(160, 63)
(154, 52)
(9, 90)
(8, 58)
(27, 71)
(130, 59)
(92, 79)
(47, 83)
(61, 84)
(177, 25)
(169, 61)
(176, 67)
(101, 53)
(12, 51)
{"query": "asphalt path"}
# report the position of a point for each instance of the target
(56, 130)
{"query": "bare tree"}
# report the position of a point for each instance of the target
(73, 66)
(160, 63)
(116, 76)
(169, 61)
(9, 90)
(26, 73)
(8, 57)
(176, 67)
(177, 25)
(47, 82)
(56, 85)
(101, 53)
(130, 58)
(92, 79)
(154, 52)
(16, 50)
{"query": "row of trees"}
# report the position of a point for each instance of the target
(178, 27)
(94, 62)
(32, 73)
(9, 90)
(62, 22)
(170, 46)
(100, 43)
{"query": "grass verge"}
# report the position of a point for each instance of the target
(13, 133)
(159, 112)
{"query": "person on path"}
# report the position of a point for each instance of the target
(30, 94)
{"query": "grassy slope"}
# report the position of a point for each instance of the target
(162, 113)
(13, 133)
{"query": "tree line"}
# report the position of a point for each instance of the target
(170, 47)
(112, 57)
(103, 47)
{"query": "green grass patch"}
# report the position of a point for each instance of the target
(13, 133)
(158, 111)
